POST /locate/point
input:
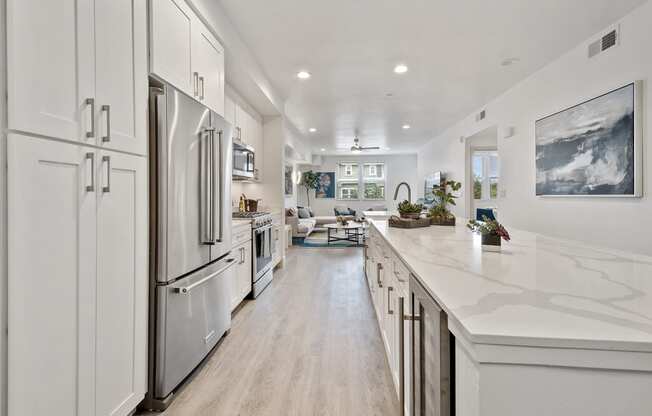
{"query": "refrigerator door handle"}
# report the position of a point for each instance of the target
(186, 289)
(205, 193)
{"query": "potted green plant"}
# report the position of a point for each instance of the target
(409, 210)
(439, 213)
(310, 181)
(492, 233)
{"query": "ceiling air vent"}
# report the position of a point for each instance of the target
(605, 42)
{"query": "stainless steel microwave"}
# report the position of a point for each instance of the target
(244, 162)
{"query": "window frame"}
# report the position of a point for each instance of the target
(486, 178)
(361, 179)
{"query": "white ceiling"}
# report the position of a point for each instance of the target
(453, 49)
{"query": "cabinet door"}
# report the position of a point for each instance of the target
(208, 63)
(430, 355)
(121, 74)
(51, 289)
(390, 326)
(229, 111)
(242, 124)
(121, 372)
(244, 277)
(170, 43)
(50, 68)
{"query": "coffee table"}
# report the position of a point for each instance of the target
(353, 232)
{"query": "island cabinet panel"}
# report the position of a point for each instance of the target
(466, 354)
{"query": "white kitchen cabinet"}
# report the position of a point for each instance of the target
(51, 290)
(170, 43)
(121, 74)
(208, 64)
(73, 76)
(184, 53)
(121, 324)
(242, 271)
(77, 279)
(50, 68)
(229, 111)
(240, 279)
(278, 246)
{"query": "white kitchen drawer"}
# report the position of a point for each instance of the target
(241, 233)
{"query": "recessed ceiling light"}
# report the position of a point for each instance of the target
(322, 149)
(406, 126)
(303, 75)
(312, 129)
(400, 69)
(509, 61)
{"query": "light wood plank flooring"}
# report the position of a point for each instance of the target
(310, 345)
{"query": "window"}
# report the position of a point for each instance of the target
(485, 175)
(374, 181)
(367, 179)
(348, 190)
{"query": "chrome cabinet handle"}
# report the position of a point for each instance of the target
(186, 289)
(107, 109)
(107, 189)
(389, 300)
(242, 255)
(91, 102)
(196, 83)
(91, 156)
(201, 94)
(239, 130)
(401, 353)
(379, 267)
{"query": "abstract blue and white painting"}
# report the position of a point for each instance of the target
(589, 149)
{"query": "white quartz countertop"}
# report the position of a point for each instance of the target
(539, 291)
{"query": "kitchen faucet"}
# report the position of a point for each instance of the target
(408, 188)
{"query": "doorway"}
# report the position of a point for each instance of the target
(482, 171)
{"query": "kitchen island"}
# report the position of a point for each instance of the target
(545, 327)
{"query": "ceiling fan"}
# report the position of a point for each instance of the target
(356, 148)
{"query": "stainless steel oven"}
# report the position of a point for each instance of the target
(244, 161)
(263, 246)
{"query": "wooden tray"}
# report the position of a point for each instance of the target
(397, 222)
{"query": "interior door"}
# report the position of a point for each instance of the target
(121, 74)
(185, 157)
(208, 62)
(50, 68)
(51, 288)
(122, 283)
(430, 355)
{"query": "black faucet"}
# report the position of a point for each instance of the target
(408, 188)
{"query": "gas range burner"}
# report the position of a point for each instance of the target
(247, 215)
(258, 219)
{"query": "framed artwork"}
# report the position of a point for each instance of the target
(326, 185)
(289, 175)
(593, 148)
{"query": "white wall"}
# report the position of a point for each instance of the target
(400, 168)
(573, 78)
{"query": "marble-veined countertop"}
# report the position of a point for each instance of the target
(539, 291)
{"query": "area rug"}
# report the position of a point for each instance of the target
(319, 238)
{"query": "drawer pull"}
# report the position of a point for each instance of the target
(389, 300)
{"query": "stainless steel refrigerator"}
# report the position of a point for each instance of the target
(190, 237)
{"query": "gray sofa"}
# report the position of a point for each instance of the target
(302, 227)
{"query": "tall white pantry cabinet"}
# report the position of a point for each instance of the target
(77, 206)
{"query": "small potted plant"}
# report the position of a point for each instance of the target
(409, 210)
(492, 233)
(439, 213)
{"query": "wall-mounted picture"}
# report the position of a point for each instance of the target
(591, 149)
(326, 185)
(289, 177)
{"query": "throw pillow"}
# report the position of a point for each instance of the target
(304, 213)
(312, 214)
(290, 212)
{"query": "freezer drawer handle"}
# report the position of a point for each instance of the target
(186, 289)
